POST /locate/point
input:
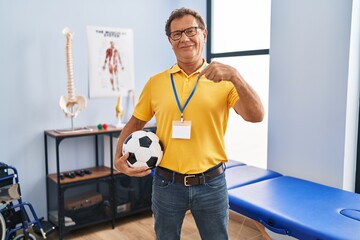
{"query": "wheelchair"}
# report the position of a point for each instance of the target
(18, 217)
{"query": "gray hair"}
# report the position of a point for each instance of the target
(181, 12)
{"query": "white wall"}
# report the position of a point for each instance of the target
(33, 75)
(309, 78)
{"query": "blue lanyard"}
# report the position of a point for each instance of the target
(177, 98)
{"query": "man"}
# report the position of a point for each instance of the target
(112, 59)
(191, 103)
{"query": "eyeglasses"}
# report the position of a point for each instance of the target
(189, 32)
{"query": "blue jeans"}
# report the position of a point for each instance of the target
(208, 203)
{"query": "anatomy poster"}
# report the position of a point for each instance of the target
(111, 61)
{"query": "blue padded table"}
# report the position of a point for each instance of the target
(244, 174)
(232, 163)
(299, 208)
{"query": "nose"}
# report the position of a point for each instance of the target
(184, 35)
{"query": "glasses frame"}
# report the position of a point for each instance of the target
(184, 31)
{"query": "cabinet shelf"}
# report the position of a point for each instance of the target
(96, 172)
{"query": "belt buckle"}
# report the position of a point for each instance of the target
(185, 180)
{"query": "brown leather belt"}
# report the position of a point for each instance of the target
(191, 179)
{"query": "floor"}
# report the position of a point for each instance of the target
(140, 227)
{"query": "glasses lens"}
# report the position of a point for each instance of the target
(176, 35)
(190, 32)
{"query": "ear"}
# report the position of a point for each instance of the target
(169, 39)
(205, 32)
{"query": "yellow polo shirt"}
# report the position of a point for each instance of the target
(208, 111)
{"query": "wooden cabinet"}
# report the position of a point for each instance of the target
(92, 195)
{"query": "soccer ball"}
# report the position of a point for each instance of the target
(144, 149)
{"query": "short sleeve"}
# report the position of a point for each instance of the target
(233, 96)
(143, 109)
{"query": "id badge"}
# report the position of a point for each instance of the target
(181, 130)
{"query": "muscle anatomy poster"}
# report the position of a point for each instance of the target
(111, 61)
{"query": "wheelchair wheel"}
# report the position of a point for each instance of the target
(22, 237)
(2, 227)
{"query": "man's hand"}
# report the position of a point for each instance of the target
(122, 166)
(218, 72)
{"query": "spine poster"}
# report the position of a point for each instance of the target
(111, 61)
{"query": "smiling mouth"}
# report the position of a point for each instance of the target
(187, 46)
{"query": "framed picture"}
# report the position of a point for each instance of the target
(111, 61)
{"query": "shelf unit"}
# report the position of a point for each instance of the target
(102, 179)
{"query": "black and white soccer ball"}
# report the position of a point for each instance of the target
(144, 149)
